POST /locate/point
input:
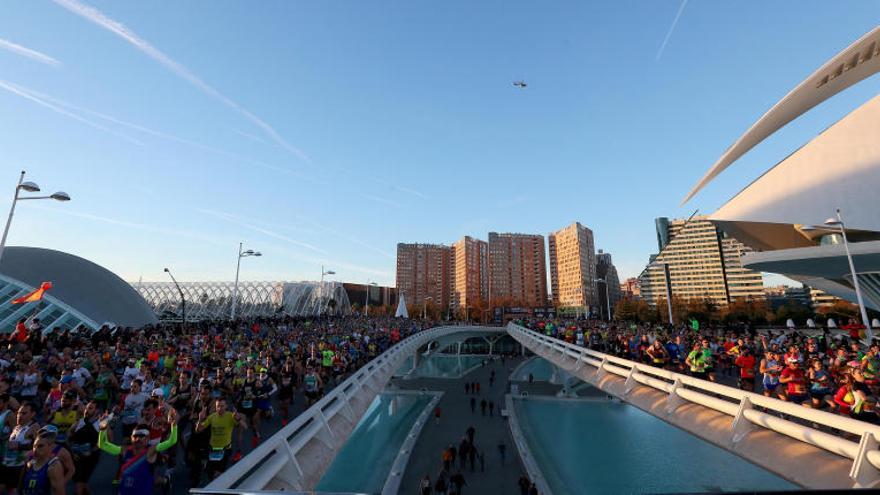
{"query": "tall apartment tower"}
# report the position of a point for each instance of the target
(517, 269)
(470, 272)
(424, 273)
(573, 267)
(701, 262)
(605, 270)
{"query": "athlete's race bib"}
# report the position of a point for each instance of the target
(247, 404)
(216, 455)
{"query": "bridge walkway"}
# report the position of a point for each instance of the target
(456, 417)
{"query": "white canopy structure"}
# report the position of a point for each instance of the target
(401, 308)
(778, 213)
(855, 63)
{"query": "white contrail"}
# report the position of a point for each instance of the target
(671, 29)
(397, 187)
(381, 200)
(353, 240)
(19, 91)
(139, 226)
(94, 15)
(28, 53)
(228, 217)
(161, 134)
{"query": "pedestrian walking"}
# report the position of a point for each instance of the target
(454, 453)
(458, 482)
(470, 434)
(437, 412)
(463, 449)
(531, 378)
(491, 408)
(533, 490)
(491, 378)
(447, 458)
(473, 404)
(440, 487)
(502, 451)
(478, 388)
(472, 456)
(483, 405)
(467, 388)
(524, 485)
(425, 485)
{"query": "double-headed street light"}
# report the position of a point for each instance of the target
(367, 298)
(241, 254)
(31, 188)
(838, 223)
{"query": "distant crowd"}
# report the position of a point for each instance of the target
(165, 399)
(828, 370)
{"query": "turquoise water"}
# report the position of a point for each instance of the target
(366, 458)
(405, 367)
(447, 366)
(604, 447)
(540, 368)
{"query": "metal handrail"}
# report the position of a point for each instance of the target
(255, 470)
(743, 410)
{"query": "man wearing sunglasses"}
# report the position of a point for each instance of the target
(137, 461)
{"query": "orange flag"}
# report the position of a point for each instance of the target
(35, 295)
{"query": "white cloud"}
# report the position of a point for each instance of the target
(97, 17)
(28, 53)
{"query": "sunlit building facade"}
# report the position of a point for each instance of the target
(517, 269)
(573, 267)
(701, 262)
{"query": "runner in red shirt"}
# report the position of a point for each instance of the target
(796, 384)
(746, 363)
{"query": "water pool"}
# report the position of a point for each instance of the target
(447, 365)
(365, 460)
(608, 447)
(540, 369)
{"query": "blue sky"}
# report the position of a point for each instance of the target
(326, 132)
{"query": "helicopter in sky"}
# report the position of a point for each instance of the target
(520, 84)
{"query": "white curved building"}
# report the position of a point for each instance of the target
(777, 214)
(83, 293)
(213, 300)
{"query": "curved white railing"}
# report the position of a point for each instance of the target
(865, 471)
(279, 454)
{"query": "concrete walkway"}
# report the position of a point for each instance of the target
(456, 417)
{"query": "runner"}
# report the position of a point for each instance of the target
(222, 423)
(135, 476)
(43, 474)
(313, 385)
(84, 447)
(20, 442)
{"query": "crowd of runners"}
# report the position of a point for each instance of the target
(164, 402)
(831, 370)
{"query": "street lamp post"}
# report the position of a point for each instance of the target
(182, 299)
(31, 188)
(607, 300)
(367, 298)
(838, 222)
(324, 272)
(241, 254)
(425, 307)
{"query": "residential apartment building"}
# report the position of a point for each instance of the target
(517, 269)
(629, 288)
(470, 273)
(573, 267)
(424, 273)
(700, 262)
